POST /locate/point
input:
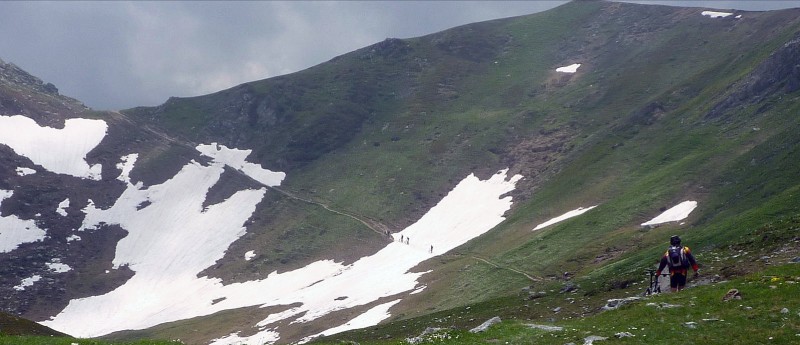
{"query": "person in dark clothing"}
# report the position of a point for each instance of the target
(678, 258)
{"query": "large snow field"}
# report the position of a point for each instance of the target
(188, 239)
(171, 238)
(472, 208)
(62, 151)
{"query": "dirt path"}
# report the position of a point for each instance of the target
(378, 228)
(530, 277)
(373, 225)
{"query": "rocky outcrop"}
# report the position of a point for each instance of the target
(778, 74)
(11, 74)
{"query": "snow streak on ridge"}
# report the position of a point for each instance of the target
(565, 216)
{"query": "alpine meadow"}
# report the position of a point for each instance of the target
(508, 181)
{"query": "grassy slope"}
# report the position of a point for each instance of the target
(755, 264)
(726, 166)
(462, 112)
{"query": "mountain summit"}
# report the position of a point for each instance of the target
(406, 178)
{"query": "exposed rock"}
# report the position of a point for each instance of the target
(624, 335)
(546, 327)
(691, 324)
(50, 88)
(779, 73)
(569, 287)
(422, 337)
(663, 305)
(732, 294)
(618, 302)
(484, 326)
(592, 338)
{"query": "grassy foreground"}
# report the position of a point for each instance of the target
(42, 340)
(768, 313)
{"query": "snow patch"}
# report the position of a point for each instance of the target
(714, 14)
(62, 151)
(569, 69)
(371, 317)
(22, 171)
(674, 214)
(73, 237)
(56, 266)
(27, 282)
(235, 159)
(565, 216)
(15, 231)
(125, 166)
(62, 207)
(249, 255)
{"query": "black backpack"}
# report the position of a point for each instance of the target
(676, 257)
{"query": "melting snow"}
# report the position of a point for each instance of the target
(249, 255)
(27, 282)
(235, 159)
(73, 238)
(168, 258)
(418, 290)
(674, 214)
(570, 214)
(62, 151)
(569, 69)
(370, 317)
(15, 231)
(125, 166)
(56, 266)
(62, 207)
(21, 171)
(169, 244)
(714, 14)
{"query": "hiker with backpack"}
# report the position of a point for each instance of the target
(678, 258)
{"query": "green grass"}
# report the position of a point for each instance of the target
(40, 340)
(696, 315)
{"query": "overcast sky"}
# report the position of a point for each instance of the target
(117, 55)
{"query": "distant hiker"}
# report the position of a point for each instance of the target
(401, 238)
(407, 238)
(679, 259)
(431, 248)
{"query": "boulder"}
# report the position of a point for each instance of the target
(732, 294)
(484, 326)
